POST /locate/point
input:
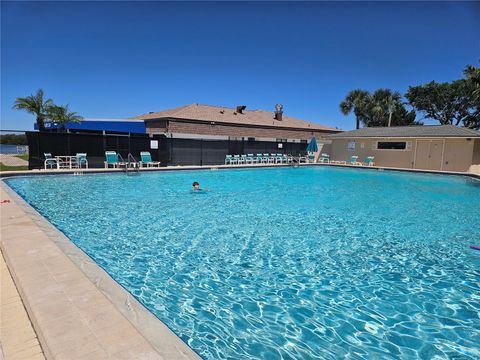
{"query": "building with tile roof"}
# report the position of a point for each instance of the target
(428, 147)
(216, 122)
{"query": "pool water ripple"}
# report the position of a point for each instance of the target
(307, 263)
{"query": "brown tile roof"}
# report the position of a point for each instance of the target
(228, 115)
(409, 131)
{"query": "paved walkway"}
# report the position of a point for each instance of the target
(12, 160)
(17, 337)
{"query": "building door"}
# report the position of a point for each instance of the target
(429, 154)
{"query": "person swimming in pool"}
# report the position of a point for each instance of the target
(196, 186)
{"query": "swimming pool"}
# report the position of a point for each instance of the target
(311, 262)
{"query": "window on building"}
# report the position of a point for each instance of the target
(391, 145)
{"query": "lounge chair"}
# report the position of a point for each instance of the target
(50, 161)
(250, 159)
(235, 159)
(228, 159)
(354, 161)
(112, 158)
(243, 159)
(82, 160)
(369, 161)
(269, 159)
(279, 159)
(325, 158)
(146, 159)
(310, 157)
(259, 158)
(302, 158)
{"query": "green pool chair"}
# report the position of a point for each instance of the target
(235, 159)
(228, 159)
(243, 159)
(50, 161)
(259, 158)
(250, 159)
(112, 158)
(310, 157)
(369, 161)
(278, 159)
(354, 160)
(82, 160)
(268, 158)
(146, 159)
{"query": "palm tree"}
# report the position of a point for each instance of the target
(61, 115)
(472, 74)
(34, 104)
(386, 101)
(357, 101)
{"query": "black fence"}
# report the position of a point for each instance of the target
(169, 151)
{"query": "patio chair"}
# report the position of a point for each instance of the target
(243, 159)
(50, 161)
(268, 158)
(235, 159)
(369, 161)
(354, 160)
(302, 158)
(259, 158)
(82, 160)
(112, 158)
(146, 159)
(278, 159)
(250, 159)
(325, 158)
(310, 157)
(228, 159)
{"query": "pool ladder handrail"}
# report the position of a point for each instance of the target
(132, 164)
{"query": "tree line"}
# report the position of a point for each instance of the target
(13, 139)
(46, 110)
(450, 103)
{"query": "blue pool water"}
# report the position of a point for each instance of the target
(287, 263)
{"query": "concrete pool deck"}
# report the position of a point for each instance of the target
(474, 173)
(77, 310)
(18, 339)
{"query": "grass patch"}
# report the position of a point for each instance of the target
(23, 157)
(12, 168)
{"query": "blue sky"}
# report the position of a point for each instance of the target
(120, 59)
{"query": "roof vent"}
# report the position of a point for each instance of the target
(151, 112)
(241, 108)
(278, 114)
(222, 111)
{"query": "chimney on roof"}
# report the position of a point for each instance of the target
(278, 114)
(241, 108)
